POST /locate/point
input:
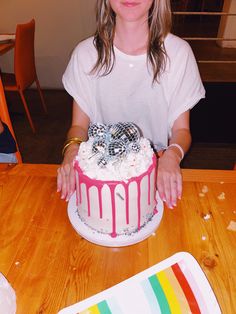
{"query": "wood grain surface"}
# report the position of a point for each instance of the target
(50, 266)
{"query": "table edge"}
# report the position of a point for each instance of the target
(189, 175)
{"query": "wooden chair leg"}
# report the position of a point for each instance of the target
(18, 157)
(27, 110)
(41, 96)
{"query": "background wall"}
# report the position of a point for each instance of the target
(227, 27)
(60, 25)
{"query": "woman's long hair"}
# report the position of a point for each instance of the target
(159, 22)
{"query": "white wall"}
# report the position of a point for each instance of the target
(60, 25)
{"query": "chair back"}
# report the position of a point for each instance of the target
(24, 59)
(4, 115)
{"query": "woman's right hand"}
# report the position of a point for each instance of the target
(66, 173)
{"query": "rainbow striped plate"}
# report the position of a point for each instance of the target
(176, 285)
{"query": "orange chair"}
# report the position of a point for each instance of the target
(24, 66)
(4, 115)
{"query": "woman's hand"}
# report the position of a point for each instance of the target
(169, 179)
(66, 173)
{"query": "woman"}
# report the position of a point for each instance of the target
(134, 70)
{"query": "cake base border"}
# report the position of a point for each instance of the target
(105, 239)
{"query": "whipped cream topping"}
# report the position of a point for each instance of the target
(130, 165)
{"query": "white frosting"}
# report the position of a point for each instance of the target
(7, 297)
(132, 165)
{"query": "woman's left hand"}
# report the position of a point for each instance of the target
(169, 179)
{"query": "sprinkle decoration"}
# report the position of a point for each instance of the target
(114, 141)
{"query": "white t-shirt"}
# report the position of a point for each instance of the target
(128, 94)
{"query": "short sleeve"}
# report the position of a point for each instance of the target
(184, 87)
(77, 79)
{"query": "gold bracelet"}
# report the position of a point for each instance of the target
(69, 141)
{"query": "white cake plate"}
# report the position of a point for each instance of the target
(105, 239)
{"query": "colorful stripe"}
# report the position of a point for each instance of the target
(104, 308)
(160, 295)
(100, 308)
(114, 306)
(186, 289)
(198, 293)
(151, 298)
(178, 291)
(169, 292)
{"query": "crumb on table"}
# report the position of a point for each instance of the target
(205, 189)
(207, 216)
(232, 226)
(221, 196)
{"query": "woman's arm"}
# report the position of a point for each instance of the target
(169, 179)
(66, 174)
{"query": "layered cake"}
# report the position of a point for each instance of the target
(115, 180)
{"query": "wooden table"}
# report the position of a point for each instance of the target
(50, 266)
(5, 47)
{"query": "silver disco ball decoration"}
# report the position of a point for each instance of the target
(97, 130)
(113, 141)
(125, 131)
(99, 146)
(102, 161)
(117, 148)
(135, 147)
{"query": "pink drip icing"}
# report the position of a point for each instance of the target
(155, 187)
(100, 200)
(77, 189)
(149, 189)
(88, 199)
(80, 194)
(126, 187)
(139, 204)
(112, 185)
(113, 205)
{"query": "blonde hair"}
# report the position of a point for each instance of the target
(159, 21)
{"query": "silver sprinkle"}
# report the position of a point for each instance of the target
(121, 197)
